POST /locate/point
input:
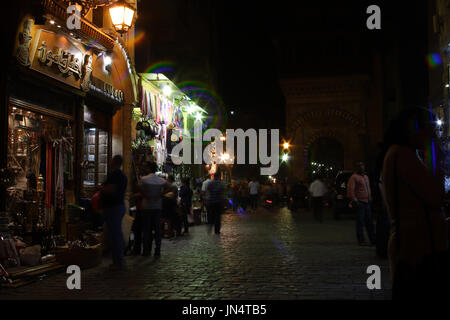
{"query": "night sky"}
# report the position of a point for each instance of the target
(248, 44)
(330, 37)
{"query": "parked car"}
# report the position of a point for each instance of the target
(341, 201)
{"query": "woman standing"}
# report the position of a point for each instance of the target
(414, 190)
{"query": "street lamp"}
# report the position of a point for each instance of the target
(225, 157)
(286, 145)
(198, 117)
(285, 157)
(167, 90)
(122, 15)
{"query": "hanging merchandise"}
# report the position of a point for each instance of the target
(163, 138)
(48, 178)
(147, 103)
(59, 167)
(176, 117)
(162, 117)
(153, 103)
(159, 153)
(150, 105)
(158, 108)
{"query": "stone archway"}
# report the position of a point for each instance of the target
(346, 134)
(324, 155)
(333, 115)
(327, 107)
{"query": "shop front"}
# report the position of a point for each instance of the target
(69, 100)
(158, 123)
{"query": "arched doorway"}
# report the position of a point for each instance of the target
(325, 157)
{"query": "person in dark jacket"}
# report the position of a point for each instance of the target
(170, 205)
(185, 203)
(215, 191)
(112, 195)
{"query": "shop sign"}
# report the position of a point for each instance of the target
(57, 57)
(61, 58)
(107, 89)
(66, 62)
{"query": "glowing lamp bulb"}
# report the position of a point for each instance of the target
(191, 109)
(225, 157)
(285, 157)
(198, 117)
(439, 122)
(167, 90)
(107, 60)
(286, 145)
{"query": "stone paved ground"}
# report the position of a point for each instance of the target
(264, 255)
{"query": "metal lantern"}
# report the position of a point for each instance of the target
(122, 16)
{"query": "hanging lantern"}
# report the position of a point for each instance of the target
(122, 16)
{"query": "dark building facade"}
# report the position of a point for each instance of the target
(343, 82)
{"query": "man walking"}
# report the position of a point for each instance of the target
(253, 187)
(318, 190)
(152, 188)
(358, 191)
(215, 191)
(112, 196)
(186, 194)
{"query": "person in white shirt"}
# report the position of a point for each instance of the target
(254, 191)
(152, 188)
(318, 190)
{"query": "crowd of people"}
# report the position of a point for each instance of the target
(409, 196)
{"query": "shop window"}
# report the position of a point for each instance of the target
(95, 156)
(40, 166)
(30, 133)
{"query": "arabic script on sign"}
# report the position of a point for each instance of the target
(66, 62)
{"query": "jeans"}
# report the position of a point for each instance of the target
(137, 230)
(186, 210)
(244, 202)
(364, 217)
(317, 203)
(113, 219)
(254, 201)
(214, 215)
(151, 221)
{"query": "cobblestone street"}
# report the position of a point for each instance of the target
(262, 255)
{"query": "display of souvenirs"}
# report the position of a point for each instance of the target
(40, 162)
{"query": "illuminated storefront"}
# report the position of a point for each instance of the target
(70, 96)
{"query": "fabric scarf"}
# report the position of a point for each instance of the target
(158, 109)
(59, 188)
(48, 176)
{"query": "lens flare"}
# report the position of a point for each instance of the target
(137, 38)
(161, 67)
(433, 60)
